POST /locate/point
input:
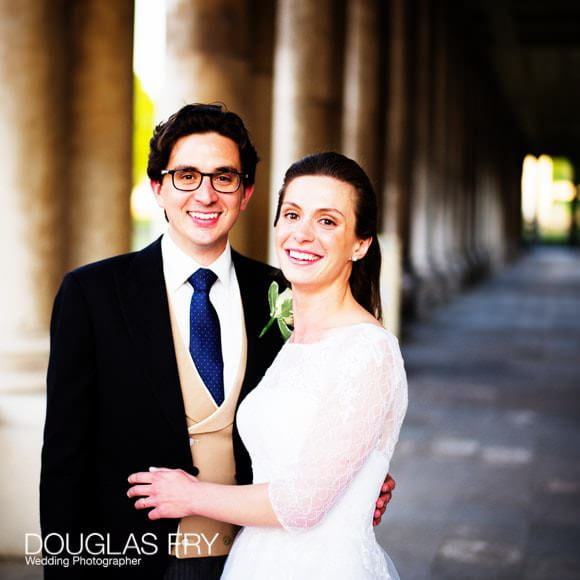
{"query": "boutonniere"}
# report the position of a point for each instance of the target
(280, 310)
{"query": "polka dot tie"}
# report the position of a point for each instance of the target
(204, 334)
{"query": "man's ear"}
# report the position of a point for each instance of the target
(156, 188)
(248, 191)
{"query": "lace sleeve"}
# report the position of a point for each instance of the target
(362, 407)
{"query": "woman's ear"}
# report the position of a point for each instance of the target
(361, 248)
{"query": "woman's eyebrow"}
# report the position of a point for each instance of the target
(330, 210)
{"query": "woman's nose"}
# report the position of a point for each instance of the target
(304, 231)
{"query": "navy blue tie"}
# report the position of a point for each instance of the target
(205, 343)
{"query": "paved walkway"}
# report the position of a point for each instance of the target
(488, 466)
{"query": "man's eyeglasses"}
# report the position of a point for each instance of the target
(190, 179)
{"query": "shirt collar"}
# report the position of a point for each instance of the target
(179, 266)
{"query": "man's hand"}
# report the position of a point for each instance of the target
(383, 499)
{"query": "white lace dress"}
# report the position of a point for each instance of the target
(321, 428)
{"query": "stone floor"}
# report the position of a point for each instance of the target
(487, 468)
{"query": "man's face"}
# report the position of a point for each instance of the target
(200, 220)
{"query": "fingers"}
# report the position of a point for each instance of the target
(147, 501)
(137, 490)
(384, 499)
(140, 477)
(147, 476)
(377, 516)
(388, 486)
(144, 503)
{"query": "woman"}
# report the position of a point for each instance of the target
(322, 425)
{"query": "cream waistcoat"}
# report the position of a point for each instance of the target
(210, 430)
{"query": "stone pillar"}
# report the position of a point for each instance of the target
(362, 120)
(262, 64)
(396, 175)
(207, 55)
(421, 226)
(33, 192)
(307, 84)
(471, 112)
(101, 129)
(455, 157)
(441, 143)
(483, 182)
(208, 60)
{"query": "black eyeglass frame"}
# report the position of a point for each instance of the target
(172, 172)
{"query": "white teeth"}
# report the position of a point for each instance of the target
(302, 256)
(203, 216)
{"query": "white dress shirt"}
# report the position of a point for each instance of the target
(224, 295)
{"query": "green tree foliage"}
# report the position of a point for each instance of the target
(562, 169)
(143, 119)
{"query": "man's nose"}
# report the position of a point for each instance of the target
(205, 193)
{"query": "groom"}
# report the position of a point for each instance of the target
(151, 353)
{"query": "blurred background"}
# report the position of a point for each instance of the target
(465, 115)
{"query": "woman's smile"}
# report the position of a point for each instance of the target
(302, 256)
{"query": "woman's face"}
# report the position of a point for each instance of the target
(315, 233)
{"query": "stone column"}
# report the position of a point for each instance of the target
(441, 142)
(469, 168)
(307, 84)
(33, 192)
(362, 120)
(396, 178)
(455, 158)
(208, 60)
(483, 183)
(101, 129)
(260, 86)
(421, 226)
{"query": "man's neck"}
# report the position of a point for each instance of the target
(204, 257)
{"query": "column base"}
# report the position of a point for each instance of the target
(22, 407)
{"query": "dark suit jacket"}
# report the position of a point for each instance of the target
(114, 404)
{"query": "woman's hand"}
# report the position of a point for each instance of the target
(383, 499)
(169, 492)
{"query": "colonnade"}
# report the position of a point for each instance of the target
(65, 160)
(397, 85)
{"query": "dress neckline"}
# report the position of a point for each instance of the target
(332, 332)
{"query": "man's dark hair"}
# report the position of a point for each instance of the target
(200, 118)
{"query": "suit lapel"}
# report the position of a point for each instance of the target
(254, 284)
(143, 298)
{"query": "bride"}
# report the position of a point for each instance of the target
(322, 425)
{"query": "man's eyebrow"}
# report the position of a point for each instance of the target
(185, 168)
(227, 168)
(223, 169)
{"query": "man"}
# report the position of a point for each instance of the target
(151, 352)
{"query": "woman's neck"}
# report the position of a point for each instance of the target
(316, 311)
